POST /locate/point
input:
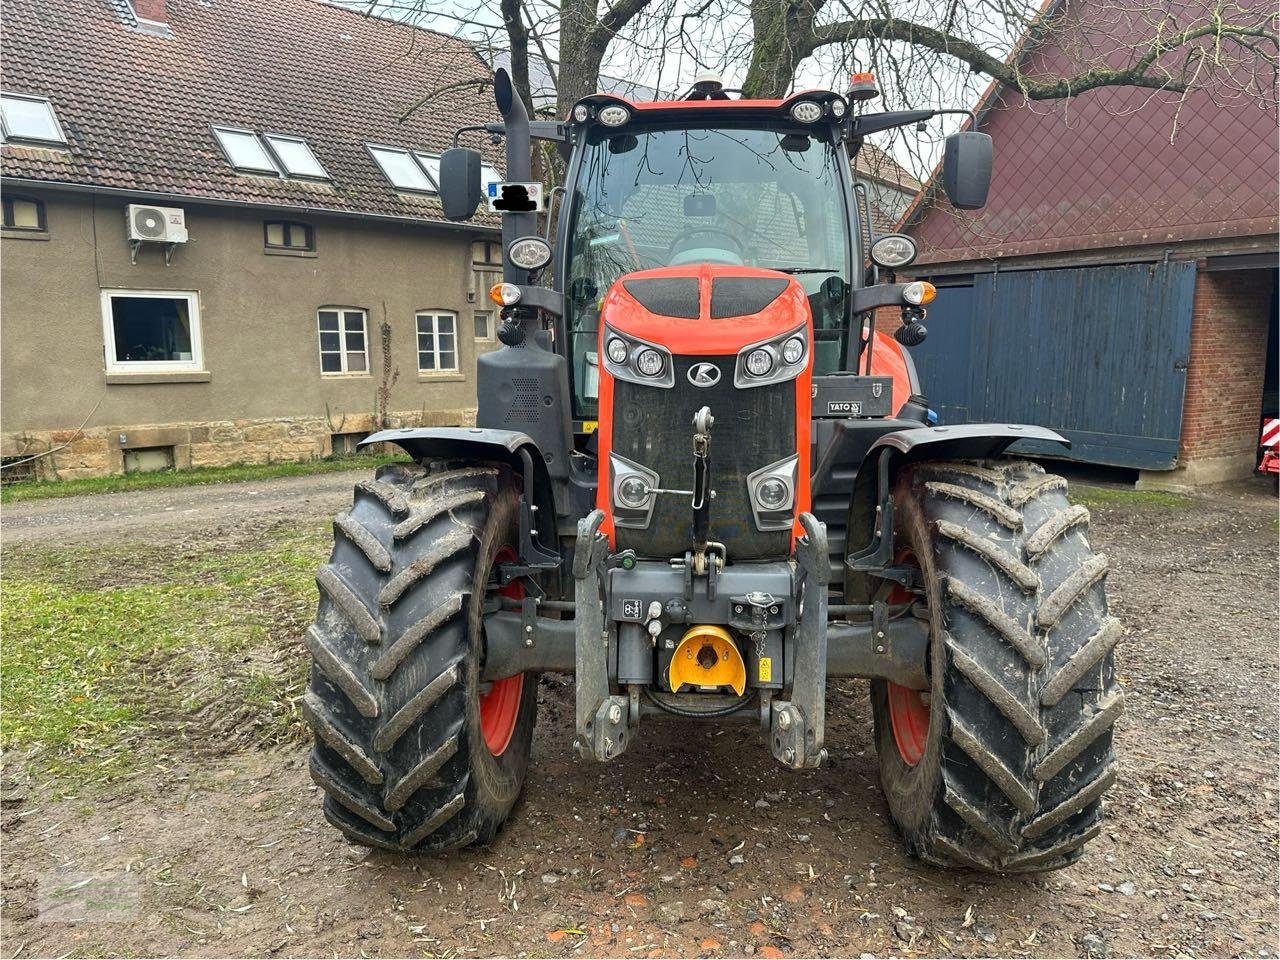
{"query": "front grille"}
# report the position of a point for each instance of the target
(654, 427)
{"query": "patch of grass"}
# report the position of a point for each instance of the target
(118, 657)
(1111, 497)
(45, 489)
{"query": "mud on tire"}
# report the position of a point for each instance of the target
(393, 699)
(1018, 750)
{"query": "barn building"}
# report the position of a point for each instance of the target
(1120, 284)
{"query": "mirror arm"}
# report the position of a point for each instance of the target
(496, 129)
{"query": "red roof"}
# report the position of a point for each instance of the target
(1112, 167)
(137, 107)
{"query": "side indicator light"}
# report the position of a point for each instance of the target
(919, 293)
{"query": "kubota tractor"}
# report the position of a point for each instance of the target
(704, 483)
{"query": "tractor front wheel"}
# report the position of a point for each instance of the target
(1001, 765)
(412, 751)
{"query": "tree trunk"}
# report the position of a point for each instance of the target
(784, 35)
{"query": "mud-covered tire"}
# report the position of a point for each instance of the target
(396, 647)
(1018, 749)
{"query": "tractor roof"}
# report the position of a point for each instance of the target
(723, 105)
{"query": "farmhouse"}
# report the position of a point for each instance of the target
(221, 238)
(1120, 284)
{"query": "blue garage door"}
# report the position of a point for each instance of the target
(1098, 354)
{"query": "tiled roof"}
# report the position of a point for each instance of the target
(873, 162)
(1112, 168)
(137, 107)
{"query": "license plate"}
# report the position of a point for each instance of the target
(515, 196)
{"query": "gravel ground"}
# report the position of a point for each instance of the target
(695, 843)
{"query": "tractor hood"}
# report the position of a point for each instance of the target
(705, 309)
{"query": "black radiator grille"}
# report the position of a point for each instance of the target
(654, 427)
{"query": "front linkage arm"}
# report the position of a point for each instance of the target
(798, 728)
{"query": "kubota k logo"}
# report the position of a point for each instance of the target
(704, 374)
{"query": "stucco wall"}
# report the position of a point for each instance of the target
(257, 317)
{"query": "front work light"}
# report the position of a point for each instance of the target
(806, 111)
(613, 115)
(504, 294)
(529, 253)
(893, 251)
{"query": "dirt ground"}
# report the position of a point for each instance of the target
(695, 843)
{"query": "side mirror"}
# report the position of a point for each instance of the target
(966, 169)
(460, 182)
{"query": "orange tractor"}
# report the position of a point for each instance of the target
(704, 483)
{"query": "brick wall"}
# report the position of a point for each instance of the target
(1228, 355)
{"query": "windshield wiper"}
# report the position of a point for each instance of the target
(794, 270)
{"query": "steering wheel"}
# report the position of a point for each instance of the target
(735, 257)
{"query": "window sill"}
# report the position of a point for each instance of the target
(346, 376)
(17, 233)
(441, 376)
(285, 252)
(194, 376)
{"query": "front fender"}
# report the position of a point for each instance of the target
(483, 444)
(966, 441)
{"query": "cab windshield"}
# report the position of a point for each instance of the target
(771, 198)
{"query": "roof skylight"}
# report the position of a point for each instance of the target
(295, 156)
(244, 150)
(30, 119)
(405, 170)
(273, 154)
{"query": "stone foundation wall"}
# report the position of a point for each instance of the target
(99, 451)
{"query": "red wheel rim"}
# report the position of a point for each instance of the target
(500, 707)
(908, 713)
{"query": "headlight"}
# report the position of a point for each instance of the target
(581, 113)
(529, 253)
(919, 293)
(806, 111)
(838, 108)
(617, 350)
(633, 492)
(793, 350)
(772, 493)
(504, 294)
(649, 362)
(893, 251)
(613, 115)
(759, 363)
(632, 487)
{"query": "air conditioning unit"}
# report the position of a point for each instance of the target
(156, 224)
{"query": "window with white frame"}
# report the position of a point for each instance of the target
(344, 341)
(437, 341)
(29, 119)
(151, 331)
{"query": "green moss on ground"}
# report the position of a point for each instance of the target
(45, 489)
(1113, 497)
